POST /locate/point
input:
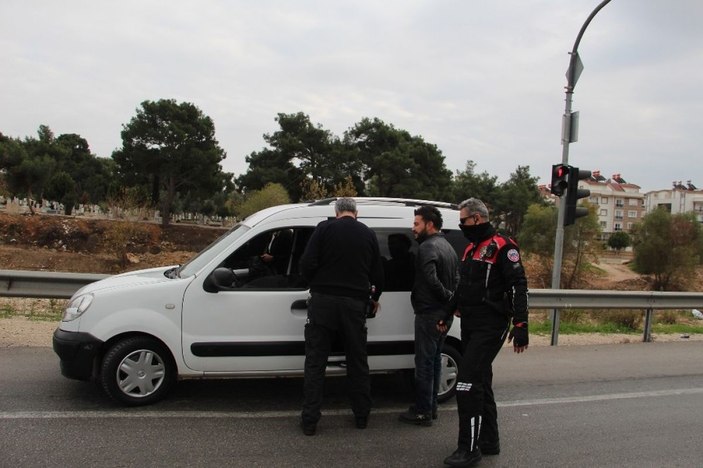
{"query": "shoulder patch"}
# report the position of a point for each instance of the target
(513, 255)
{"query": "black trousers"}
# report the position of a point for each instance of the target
(330, 316)
(483, 333)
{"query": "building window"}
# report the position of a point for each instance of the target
(632, 214)
(593, 200)
(619, 203)
(618, 227)
(603, 224)
(603, 212)
(634, 202)
(618, 214)
(603, 200)
(629, 226)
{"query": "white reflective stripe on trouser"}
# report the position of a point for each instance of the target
(475, 431)
(463, 386)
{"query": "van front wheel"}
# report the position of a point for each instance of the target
(137, 371)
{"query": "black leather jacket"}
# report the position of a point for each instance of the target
(436, 276)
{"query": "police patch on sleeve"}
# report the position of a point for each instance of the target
(513, 255)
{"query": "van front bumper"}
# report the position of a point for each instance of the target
(77, 352)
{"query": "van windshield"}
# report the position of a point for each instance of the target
(205, 256)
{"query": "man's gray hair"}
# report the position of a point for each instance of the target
(345, 204)
(474, 206)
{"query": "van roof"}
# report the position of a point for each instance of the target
(375, 206)
(388, 202)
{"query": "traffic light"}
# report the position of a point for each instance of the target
(560, 174)
(574, 193)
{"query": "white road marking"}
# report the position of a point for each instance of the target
(137, 413)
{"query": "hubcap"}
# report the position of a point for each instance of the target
(449, 374)
(141, 373)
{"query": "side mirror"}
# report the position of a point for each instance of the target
(221, 279)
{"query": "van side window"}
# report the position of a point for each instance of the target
(457, 240)
(270, 260)
(398, 251)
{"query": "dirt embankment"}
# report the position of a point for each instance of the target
(64, 243)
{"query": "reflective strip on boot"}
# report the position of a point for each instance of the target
(475, 432)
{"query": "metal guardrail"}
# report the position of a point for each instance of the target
(58, 285)
(43, 284)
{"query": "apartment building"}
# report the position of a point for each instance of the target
(619, 204)
(681, 198)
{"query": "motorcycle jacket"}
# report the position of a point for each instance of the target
(491, 274)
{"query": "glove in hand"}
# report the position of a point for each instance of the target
(519, 335)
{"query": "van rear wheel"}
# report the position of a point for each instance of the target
(451, 357)
(137, 371)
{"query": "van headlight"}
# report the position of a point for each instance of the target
(76, 307)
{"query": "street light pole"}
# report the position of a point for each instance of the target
(567, 136)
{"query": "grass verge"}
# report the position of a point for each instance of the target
(48, 310)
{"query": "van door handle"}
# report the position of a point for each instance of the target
(299, 308)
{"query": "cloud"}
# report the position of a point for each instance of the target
(484, 81)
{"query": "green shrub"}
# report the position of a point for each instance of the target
(572, 315)
(668, 317)
(622, 319)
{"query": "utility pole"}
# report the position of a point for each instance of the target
(569, 134)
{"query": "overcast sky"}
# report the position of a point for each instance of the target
(483, 80)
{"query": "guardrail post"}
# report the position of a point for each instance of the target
(555, 327)
(648, 316)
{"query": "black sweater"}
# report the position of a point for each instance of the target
(343, 258)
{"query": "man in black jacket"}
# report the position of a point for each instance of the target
(436, 277)
(342, 264)
(492, 293)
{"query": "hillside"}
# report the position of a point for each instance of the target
(64, 243)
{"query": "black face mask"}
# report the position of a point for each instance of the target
(477, 232)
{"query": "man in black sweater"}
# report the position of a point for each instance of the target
(342, 264)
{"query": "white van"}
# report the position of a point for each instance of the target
(224, 314)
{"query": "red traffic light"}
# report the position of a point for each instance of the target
(560, 176)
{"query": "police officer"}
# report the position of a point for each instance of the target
(341, 262)
(492, 293)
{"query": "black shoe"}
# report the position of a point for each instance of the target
(361, 421)
(489, 449)
(411, 417)
(434, 411)
(462, 457)
(309, 429)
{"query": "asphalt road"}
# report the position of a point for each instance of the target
(626, 405)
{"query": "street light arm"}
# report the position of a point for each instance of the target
(571, 80)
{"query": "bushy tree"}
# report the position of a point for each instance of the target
(468, 184)
(27, 164)
(62, 188)
(668, 247)
(397, 164)
(41, 168)
(581, 246)
(514, 197)
(170, 148)
(619, 240)
(538, 231)
(537, 237)
(298, 154)
(270, 195)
